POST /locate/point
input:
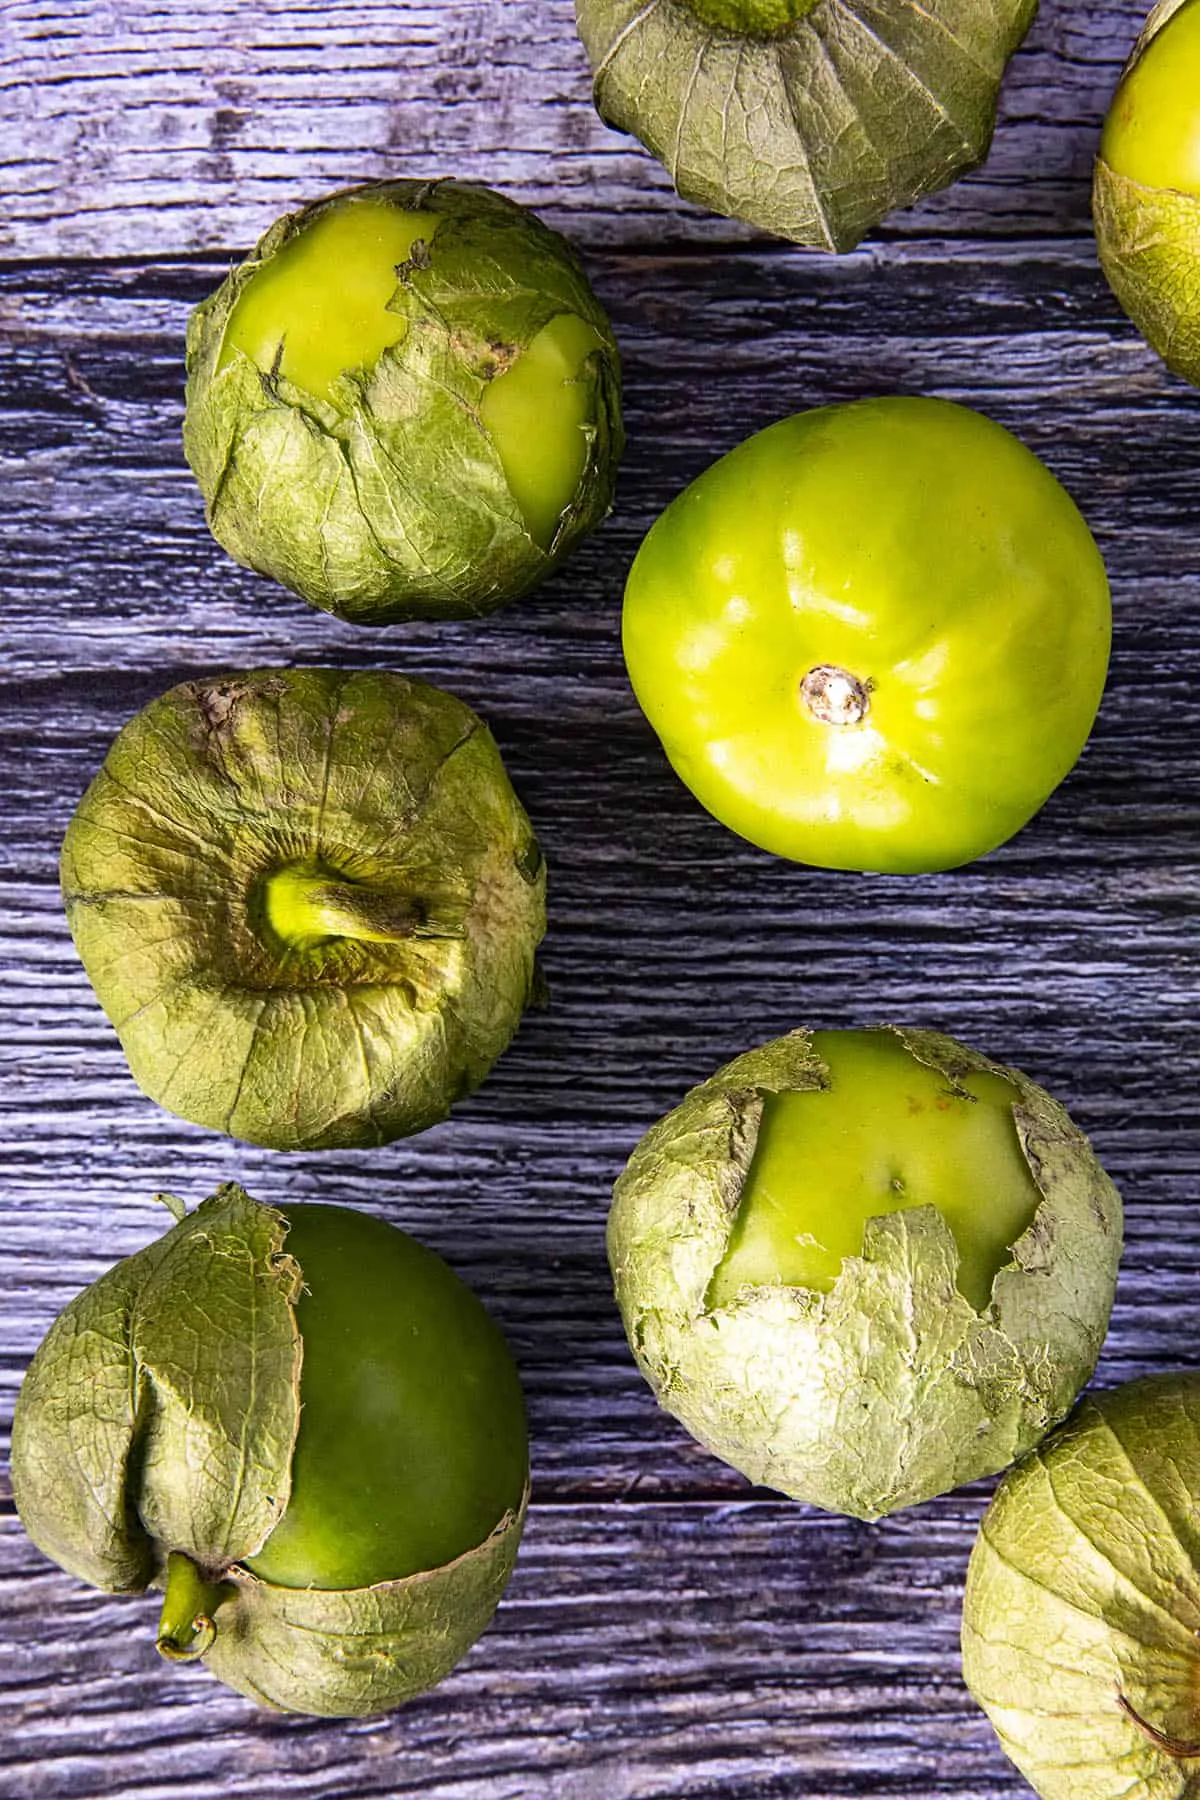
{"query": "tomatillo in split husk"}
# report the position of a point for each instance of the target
(309, 901)
(809, 118)
(873, 636)
(1146, 190)
(305, 1429)
(1081, 1617)
(865, 1266)
(405, 403)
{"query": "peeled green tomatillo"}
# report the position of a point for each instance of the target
(873, 636)
(405, 403)
(809, 118)
(305, 1429)
(1146, 192)
(865, 1266)
(309, 901)
(1081, 1617)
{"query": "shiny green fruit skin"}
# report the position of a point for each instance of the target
(886, 1135)
(915, 547)
(951, 1320)
(405, 403)
(1146, 187)
(1152, 130)
(412, 1443)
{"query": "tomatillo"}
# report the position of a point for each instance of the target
(1082, 1605)
(305, 1428)
(865, 1266)
(309, 901)
(809, 118)
(872, 636)
(406, 403)
(1146, 189)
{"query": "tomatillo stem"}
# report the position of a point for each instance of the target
(750, 18)
(185, 1627)
(1176, 1747)
(834, 696)
(303, 906)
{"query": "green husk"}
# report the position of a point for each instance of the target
(1148, 240)
(160, 1415)
(1081, 1619)
(891, 1388)
(396, 787)
(392, 503)
(820, 129)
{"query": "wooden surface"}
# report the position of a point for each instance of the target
(669, 1631)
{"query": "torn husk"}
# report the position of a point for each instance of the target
(1148, 240)
(890, 1388)
(152, 1446)
(389, 498)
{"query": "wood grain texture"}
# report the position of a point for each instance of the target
(136, 128)
(670, 1634)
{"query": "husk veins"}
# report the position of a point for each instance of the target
(891, 1388)
(391, 501)
(1081, 1617)
(1148, 241)
(393, 789)
(160, 1415)
(818, 132)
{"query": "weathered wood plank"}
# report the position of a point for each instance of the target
(672, 945)
(153, 127)
(648, 1652)
(670, 1635)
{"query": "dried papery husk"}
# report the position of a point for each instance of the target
(1081, 1618)
(1148, 241)
(890, 1388)
(390, 501)
(159, 1417)
(819, 130)
(1149, 245)
(397, 789)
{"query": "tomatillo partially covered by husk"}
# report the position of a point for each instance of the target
(1081, 1618)
(309, 901)
(872, 636)
(810, 118)
(1146, 188)
(405, 403)
(865, 1266)
(305, 1428)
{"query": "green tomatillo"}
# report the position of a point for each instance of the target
(865, 1266)
(309, 901)
(872, 636)
(1081, 1617)
(812, 119)
(305, 1429)
(405, 404)
(1146, 190)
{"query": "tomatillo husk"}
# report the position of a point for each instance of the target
(159, 1441)
(1146, 187)
(405, 403)
(309, 901)
(812, 119)
(1081, 1619)
(890, 1385)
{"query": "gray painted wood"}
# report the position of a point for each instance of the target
(670, 1633)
